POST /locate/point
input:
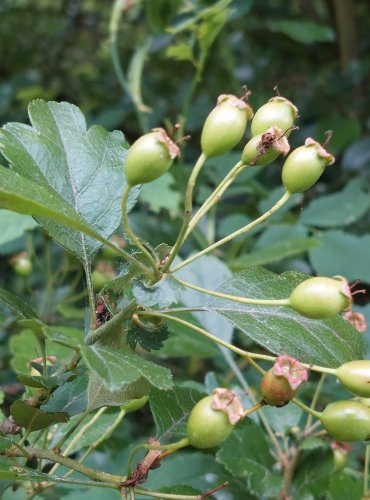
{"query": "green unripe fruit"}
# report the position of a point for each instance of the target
(135, 404)
(149, 157)
(22, 264)
(276, 390)
(340, 459)
(206, 426)
(305, 165)
(225, 125)
(321, 298)
(278, 112)
(365, 402)
(355, 376)
(264, 148)
(346, 421)
(99, 279)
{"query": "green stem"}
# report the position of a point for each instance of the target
(116, 15)
(234, 298)
(188, 210)
(253, 408)
(314, 400)
(170, 496)
(237, 233)
(90, 292)
(166, 447)
(67, 435)
(131, 233)
(215, 196)
(93, 474)
(366, 469)
(307, 409)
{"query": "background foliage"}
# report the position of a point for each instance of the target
(178, 56)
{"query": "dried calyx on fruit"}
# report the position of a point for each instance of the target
(277, 112)
(264, 148)
(150, 156)
(305, 165)
(225, 125)
(321, 297)
(281, 383)
(213, 418)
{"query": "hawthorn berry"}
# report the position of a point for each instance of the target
(346, 421)
(321, 297)
(264, 148)
(149, 157)
(277, 112)
(355, 376)
(213, 418)
(280, 384)
(305, 165)
(225, 125)
(21, 264)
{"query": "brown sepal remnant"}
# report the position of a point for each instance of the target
(356, 319)
(10, 426)
(163, 137)
(341, 445)
(150, 461)
(102, 313)
(291, 369)
(321, 151)
(229, 403)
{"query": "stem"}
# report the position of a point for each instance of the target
(286, 196)
(90, 291)
(158, 494)
(116, 15)
(305, 408)
(234, 298)
(289, 468)
(131, 233)
(215, 196)
(66, 436)
(188, 210)
(253, 408)
(366, 469)
(314, 400)
(166, 447)
(93, 474)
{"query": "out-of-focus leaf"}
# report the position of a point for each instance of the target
(180, 52)
(338, 209)
(342, 254)
(283, 419)
(171, 409)
(302, 31)
(274, 253)
(357, 157)
(33, 419)
(342, 487)
(118, 369)
(14, 225)
(313, 475)
(280, 329)
(160, 194)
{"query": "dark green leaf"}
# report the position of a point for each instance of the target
(302, 31)
(84, 166)
(71, 397)
(36, 381)
(117, 369)
(150, 338)
(338, 209)
(343, 487)
(343, 254)
(283, 419)
(328, 342)
(99, 395)
(312, 443)
(274, 253)
(162, 294)
(246, 454)
(4, 443)
(33, 419)
(160, 194)
(20, 308)
(26, 197)
(14, 225)
(171, 409)
(312, 478)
